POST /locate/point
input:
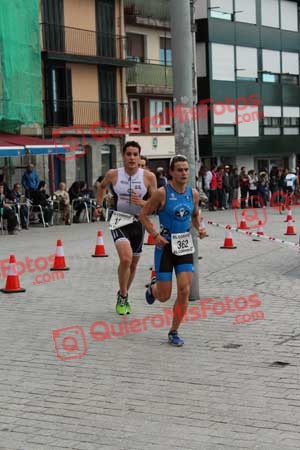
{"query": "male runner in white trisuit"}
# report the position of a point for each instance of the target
(129, 184)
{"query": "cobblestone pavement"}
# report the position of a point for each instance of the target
(230, 387)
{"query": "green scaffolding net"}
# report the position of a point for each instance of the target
(20, 65)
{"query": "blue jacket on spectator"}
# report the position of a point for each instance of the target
(30, 179)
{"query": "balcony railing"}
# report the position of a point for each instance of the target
(153, 9)
(65, 113)
(154, 75)
(75, 41)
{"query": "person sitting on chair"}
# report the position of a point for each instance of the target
(7, 212)
(63, 198)
(16, 197)
(40, 197)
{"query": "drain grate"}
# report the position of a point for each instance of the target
(232, 345)
(279, 364)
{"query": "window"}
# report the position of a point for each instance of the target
(270, 77)
(291, 120)
(289, 15)
(223, 62)
(245, 11)
(160, 116)
(246, 63)
(224, 130)
(271, 66)
(136, 47)
(270, 13)
(290, 67)
(272, 126)
(165, 52)
(221, 9)
(135, 115)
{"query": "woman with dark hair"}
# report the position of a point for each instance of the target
(40, 197)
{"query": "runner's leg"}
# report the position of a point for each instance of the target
(184, 281)
(125, 255)
(133, 266)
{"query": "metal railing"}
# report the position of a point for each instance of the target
(154, 9)
(76, 41)
(150, 75)
(81, 113)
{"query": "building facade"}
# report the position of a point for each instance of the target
(150, 79)
(85, 102)
(248, 82)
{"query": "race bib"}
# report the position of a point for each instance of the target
(182, 244)
(120, 219)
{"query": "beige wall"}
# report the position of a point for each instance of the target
(164, 149)
(85, 88)
(80, 14)
(152, 40)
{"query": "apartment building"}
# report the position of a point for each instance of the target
(248, 65)
(84, 91)
(150, 79)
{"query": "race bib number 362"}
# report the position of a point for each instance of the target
(182, 244)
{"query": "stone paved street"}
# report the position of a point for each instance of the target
(232, 386)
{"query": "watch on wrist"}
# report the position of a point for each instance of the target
(99, 206)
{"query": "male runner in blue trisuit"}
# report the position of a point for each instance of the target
(177, 205)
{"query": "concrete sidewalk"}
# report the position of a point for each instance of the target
(230, 386)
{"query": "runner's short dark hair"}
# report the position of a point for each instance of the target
(131, 144)
(177, 158)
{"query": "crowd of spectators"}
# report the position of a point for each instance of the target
(30, 202)
(226, 187)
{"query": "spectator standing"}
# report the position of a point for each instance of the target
(244, 185)
(213, 190)
(235, 185)
(253, 181)
(161, 177)
(220, 188)
(30, 180)
(263, 188)
(227, 187)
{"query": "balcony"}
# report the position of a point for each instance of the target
(64, 113)
(150, 78)
(75, 44)
(154, 12)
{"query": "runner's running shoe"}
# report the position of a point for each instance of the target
(174, 339)
(150, 299)
(121, 307)
(128, 307)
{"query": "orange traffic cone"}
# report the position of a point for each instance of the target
(12, 281)
(243, 224)
(59, 260)
(260, 231)
(150, 240)
(228, 241)
(290, 230)
(289, 217)
(99, 249)
(282, 208)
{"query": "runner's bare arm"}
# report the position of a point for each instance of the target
(150, 182)
(107, 180)
(196, 218)
(155, 202)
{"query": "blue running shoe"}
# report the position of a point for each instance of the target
(150, 299)
(174, 339)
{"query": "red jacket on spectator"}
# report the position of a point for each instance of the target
(213, 183)
(219, 180)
